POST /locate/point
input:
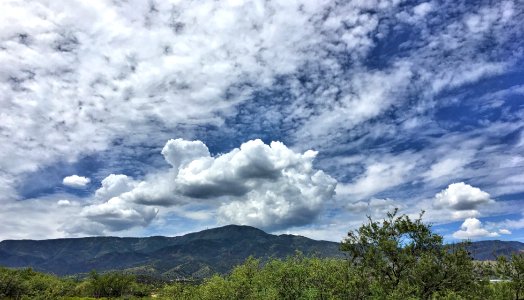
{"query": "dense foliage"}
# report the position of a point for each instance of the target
(512, 270)
(28, 284)
(403, 258)
(396, 258)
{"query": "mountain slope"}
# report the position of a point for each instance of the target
(489, 250)
(193, 255)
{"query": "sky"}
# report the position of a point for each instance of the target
(163, 117)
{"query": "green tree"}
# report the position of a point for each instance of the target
(512, 270)
(113, 284)
(26, 283)
(402, 258)
(11, 284)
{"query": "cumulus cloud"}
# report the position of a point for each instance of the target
(459, 201)
(155, 189)
(178, 153)
(114, 185)
(471, 229)
(63, 202)
(268, 186)
(242, 169)
(462, 197)
(294, 199)
(116, 214)
(277, 186)
(76, 181)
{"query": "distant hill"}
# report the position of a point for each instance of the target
(196, 255)
(489, 250)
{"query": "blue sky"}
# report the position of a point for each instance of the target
(165, 117)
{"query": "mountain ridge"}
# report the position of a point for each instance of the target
(197, 254)
(214, 250)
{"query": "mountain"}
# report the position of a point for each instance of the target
(197, 254)
(489, 250)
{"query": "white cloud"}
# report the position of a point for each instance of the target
(268, 186)
(471, 229)
(114, 185)
(422, 9)
(76, 181)
(63, 202)
(367, 94)
(37, 218)
(511, 224)
(242, 170)
(295, 199)
(378, 176)
(462, 197)
(463, 214)
(374, 207)
(446, 167)
(504, 231)
(415, 15)
(178, 153)
(68, 65)
(116, 214)
(155, 189)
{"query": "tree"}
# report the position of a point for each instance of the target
(512, 270)
(111, 284)
(403, 258)
(29, 284)
(11, 284)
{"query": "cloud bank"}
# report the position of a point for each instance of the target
(268, 186)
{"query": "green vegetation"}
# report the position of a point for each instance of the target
(28, 284)
(512, 270)
(403, 259)
(396, 258)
